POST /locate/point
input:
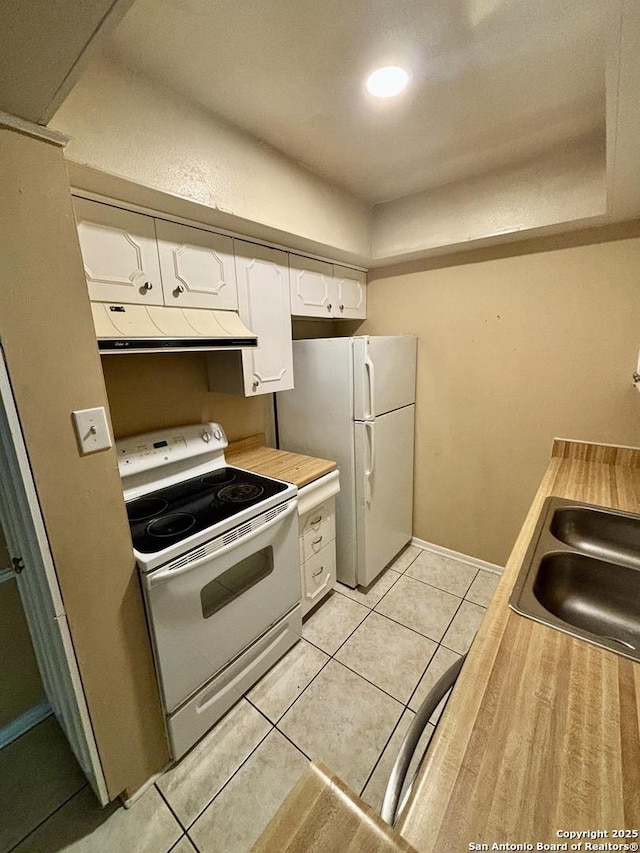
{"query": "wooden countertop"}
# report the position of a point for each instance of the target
(252, 454)
(542, 731)
(321, 814)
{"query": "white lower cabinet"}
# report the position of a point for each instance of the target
(317, 538)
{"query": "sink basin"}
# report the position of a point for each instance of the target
(609, 535)
(581, 575)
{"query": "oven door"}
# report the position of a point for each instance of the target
(209, 605)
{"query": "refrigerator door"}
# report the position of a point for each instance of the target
(316, 419)
(384, 489)
(384, 374)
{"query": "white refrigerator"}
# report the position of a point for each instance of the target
(354, 402)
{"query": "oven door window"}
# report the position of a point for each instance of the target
(236, 580)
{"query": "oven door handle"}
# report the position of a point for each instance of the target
(162, 575)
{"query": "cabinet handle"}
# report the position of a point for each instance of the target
(147, 286)
(328, 306)
(178, 290)
(316, 520)
(255, 384)
(342, 307)
(319, 571)
(317, 541)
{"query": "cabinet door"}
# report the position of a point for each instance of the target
(120, 254)
(312, 287)
(264, 306)
(197, 267)
(351, 293)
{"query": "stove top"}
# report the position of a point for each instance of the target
(165, 517)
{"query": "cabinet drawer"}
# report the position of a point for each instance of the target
(318, 576)
(317, 528)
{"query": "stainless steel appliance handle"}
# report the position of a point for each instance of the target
(371, 374)
(370, 427)
(162, 575)
(390, 811)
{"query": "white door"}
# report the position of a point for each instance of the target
(351, 293)
(264, 306)
(197, 267)
(384, 374)
(120, 254)
(38, 586)
(312, 287)
(384, 490)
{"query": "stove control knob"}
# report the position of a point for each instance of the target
(217, 434)
(205, 435)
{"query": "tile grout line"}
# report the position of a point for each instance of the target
(439, 588)
(57, 809)
(289, 707)
(274, 726)
(405, 706)
(170, 807)
(233, 775)
(387, 742)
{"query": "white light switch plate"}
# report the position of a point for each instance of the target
(92, 430)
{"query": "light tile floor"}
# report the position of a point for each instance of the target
(344, 695)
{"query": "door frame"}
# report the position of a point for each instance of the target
(40, 593)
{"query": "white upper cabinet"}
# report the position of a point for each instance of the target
(351, 293)
(312, 287)
(264, 306)
(319, 289)
(197, 267)
(120, 254)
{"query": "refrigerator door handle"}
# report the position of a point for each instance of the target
(368, 474)
(372, 381)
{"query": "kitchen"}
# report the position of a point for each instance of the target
(490, 390)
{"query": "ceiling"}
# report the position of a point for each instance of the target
(43, 46)
(493, 81)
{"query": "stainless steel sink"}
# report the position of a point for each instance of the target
(581, 575)
(609, 535)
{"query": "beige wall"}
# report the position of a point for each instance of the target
(148, 392)
(20, 682)
(49, 343)
(123, 124)
(563, 185)
(513, 351)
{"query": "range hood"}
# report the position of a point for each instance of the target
(159, 328)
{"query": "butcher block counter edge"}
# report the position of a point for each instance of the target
(322, 814)
(252, 454)
(542, 732)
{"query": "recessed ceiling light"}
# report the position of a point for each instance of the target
(388, 81)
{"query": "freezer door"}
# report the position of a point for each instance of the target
(384, 490)
(384, 374)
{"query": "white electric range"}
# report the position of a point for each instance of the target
(217, 551)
